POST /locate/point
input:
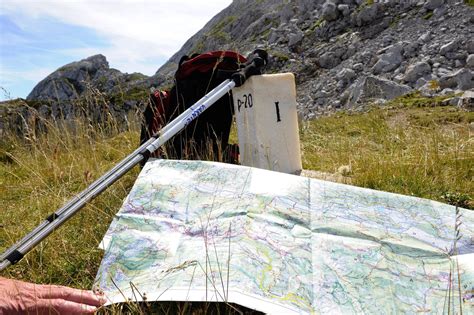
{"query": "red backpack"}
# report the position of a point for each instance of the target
(207, 137)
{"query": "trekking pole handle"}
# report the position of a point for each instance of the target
(254, 67)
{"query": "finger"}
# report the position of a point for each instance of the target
(58, 306)
(70, 294)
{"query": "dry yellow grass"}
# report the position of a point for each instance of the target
(37, 177)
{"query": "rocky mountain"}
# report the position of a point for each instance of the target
(348, 52)
(344, 53)
(73, 80)
(86, 88)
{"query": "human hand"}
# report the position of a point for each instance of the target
(18, 297)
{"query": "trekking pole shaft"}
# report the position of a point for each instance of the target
(18, 253)
(4, 264)
(95, 184)
(74, 200)
(14, 254)
(193, 107)
(198, 108)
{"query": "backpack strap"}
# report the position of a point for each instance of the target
(160, 100)
(154, 119)
(154, 114)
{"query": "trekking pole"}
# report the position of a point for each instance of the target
(16, 252)
(95, 184)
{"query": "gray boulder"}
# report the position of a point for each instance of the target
(416, 71)
(425, 37)
(440, 11)
(329, 60)
(344, 8)
(373, 88)
(461, 80)
(410, 49)
(419, 83)
(470, 45)
(433, 4)
(275, 36)
(367, 15)
(346, 75)
(329, 12)
(390, 60)
(470, 61)
(295, 39)
(259, 26)
(466, 101)
(449, 47)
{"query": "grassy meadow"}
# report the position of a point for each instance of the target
(410, 146)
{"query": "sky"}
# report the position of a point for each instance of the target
(39, 36)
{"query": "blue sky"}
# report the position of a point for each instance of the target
(39, 36)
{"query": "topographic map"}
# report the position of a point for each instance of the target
(282, 244)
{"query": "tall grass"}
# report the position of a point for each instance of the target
(39, 175)
(419, 151)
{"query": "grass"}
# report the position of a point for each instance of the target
(279, 55)
(402, 148)
(315, 25)
(39, 176)
(217, 31)
(411, 146)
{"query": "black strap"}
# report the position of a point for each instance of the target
(14, 257)
(146, 154)
(53, 216)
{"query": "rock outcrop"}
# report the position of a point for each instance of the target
(73, 80)
(86, 88)
(70, 81)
